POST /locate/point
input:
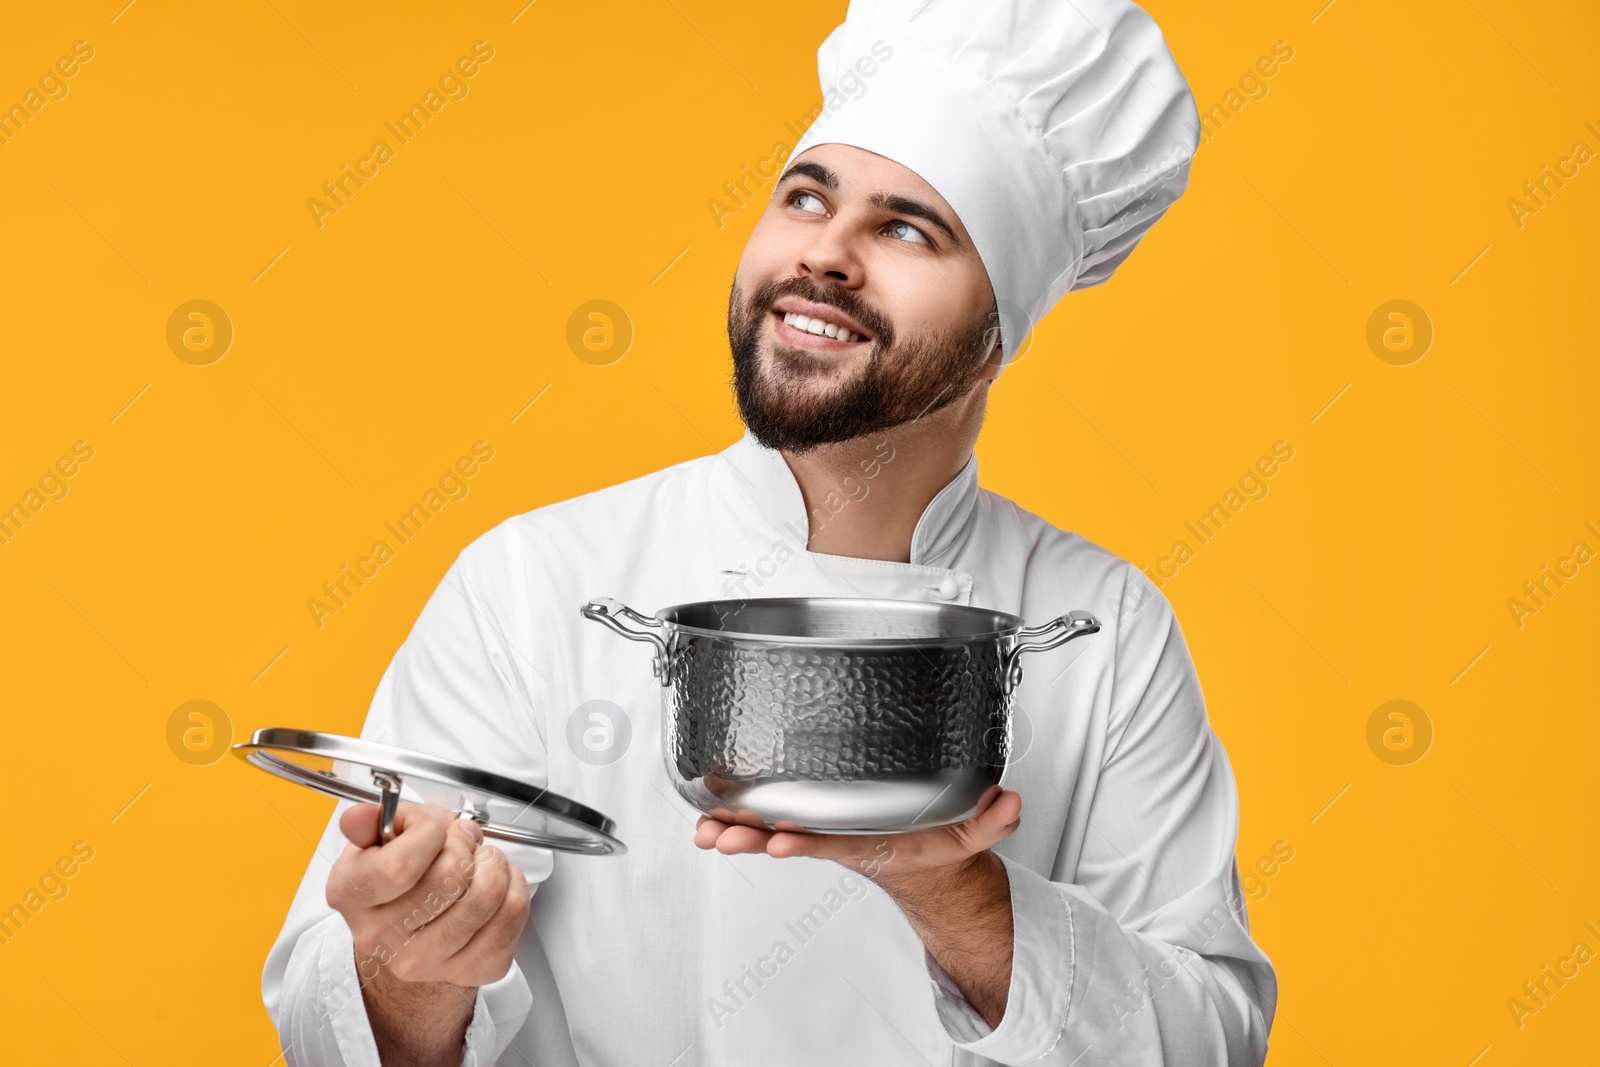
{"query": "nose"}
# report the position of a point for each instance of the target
(831, 255)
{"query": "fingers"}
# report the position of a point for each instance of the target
(995, 822)
(359, 824)
(446, 881)
(369, 876)
(710, 827)
(821, 846)
(850, 849)
(733, 839)
(989, 796)
(997, 816)
(740, 838)
(487, 956)
(453, 926)
(1006, 812)
(434, 904)
(706, 832)
(729, 838)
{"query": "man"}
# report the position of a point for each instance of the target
(1002, 155)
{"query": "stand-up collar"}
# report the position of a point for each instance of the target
(764, 479)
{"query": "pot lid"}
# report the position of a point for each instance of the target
(353, 768)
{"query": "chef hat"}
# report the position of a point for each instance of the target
(1058, 130)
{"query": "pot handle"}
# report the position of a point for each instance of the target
(1056, 632)
(616, 615)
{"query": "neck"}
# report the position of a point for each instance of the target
(864, 496)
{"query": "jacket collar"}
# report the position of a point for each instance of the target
(762, 479)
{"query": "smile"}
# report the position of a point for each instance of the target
(812, 333)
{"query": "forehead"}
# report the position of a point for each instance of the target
(863, 174)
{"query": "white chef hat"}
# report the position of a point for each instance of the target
(1058, 130)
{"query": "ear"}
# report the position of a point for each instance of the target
(993, 364)
(995, 361)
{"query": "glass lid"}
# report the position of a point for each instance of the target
(353, 768)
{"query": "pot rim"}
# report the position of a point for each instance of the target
(1015, 623)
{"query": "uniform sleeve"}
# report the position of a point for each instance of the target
(459, 687)
(1143, 953)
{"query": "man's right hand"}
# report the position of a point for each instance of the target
(434, 914)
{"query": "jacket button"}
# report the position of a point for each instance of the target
(949, 588)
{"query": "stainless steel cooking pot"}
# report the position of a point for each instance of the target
(837, 715)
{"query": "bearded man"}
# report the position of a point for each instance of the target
(1003, 154)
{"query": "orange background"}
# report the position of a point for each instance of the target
(432, 309)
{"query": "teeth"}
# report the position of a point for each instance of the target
(820, 328)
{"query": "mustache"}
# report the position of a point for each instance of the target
(831, 296)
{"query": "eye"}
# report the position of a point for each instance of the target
(912, 235)
(799, 194)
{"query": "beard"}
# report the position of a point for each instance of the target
(797, 400)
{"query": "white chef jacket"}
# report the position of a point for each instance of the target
(1132, 943)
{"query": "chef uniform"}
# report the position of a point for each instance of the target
(1132, 943)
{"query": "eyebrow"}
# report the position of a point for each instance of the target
(892, 203)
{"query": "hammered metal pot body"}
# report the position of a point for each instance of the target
(835, 715)
(835, 737)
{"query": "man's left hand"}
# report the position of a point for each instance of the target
(999, 812)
